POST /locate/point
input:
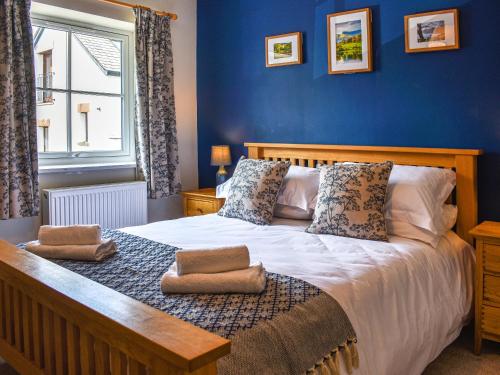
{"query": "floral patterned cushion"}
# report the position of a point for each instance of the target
(254, 190)
(351, 201)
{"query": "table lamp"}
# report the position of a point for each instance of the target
(221, 157)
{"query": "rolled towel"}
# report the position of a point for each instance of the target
(96, 253)
(250, 280)
(70, 235)
(222, 259)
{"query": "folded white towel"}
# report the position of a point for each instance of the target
(250, 280)
(222, 259)
(97, 253)
(70, 235)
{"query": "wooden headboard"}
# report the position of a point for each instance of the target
(464, 162)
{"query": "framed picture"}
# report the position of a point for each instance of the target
(350, 41)
(432, 31)
(285, 49)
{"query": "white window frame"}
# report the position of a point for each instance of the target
(127, 153)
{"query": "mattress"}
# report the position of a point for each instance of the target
(406, 300)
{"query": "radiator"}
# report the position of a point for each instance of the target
(112, 205)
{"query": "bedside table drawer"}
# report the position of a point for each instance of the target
(492, 289)
(196, 207)
(201, 202)
(492, 258)
(487, 298)
(491, 320)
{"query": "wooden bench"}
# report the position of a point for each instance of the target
(53, 321)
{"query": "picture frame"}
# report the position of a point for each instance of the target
(432, 31)
(284, 49)
(350, 41)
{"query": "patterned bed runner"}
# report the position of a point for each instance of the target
(291, 328)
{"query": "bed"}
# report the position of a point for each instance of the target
(387, 290)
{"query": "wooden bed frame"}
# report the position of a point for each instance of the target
(53, 321)
(464, 162)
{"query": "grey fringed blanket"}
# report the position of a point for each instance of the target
(290, 328)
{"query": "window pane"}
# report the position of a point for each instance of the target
(51, 51)
(96, 64)
(96, 123)
(52, 122)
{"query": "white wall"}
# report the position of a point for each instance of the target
(55, 112)
(184, 48)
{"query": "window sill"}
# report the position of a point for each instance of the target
(82, 168)
(41, 104)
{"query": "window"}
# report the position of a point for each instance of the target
(83, 91)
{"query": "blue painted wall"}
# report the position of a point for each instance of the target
(438, 99)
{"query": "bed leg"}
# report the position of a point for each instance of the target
(210, 369)
(477, 341)
(163, 368)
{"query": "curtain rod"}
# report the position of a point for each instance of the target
(172, 16)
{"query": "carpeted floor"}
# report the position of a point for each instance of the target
(457, 359)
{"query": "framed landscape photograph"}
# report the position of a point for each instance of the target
(432, 31)
(285, 49)
(350, 41)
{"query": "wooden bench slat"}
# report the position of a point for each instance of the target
(101, 357)
(136, 368)
(60, 344)
(38, 354)
(73, 348)
(118, 362)
(87, 355)
(3, 303)
(27, 328)
(18, 320)
(9, 312)
(48, 340)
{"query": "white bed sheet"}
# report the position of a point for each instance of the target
(406, 300)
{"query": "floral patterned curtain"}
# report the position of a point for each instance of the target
(155, 126)
(19, 196)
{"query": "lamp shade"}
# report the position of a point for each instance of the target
(220, 156)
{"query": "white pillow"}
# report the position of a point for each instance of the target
(416, 195)
(407, 230)
(299, 188)
(222, 190)
(289, 212)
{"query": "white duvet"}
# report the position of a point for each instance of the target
(406, 300)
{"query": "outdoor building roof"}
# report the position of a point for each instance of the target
(103, 51)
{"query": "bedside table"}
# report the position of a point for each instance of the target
(487, 304)
(201, 202)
